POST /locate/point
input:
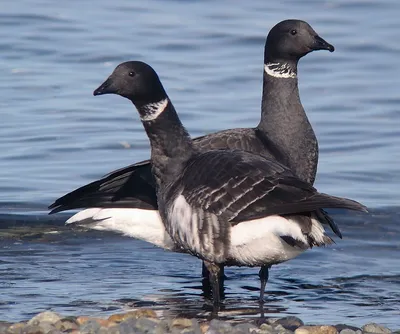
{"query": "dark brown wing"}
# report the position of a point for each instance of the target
(244, 186)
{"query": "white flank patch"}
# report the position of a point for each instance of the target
(183, 224)
(253, 243)
(154, 110)
(257, 242)
(140, 224)
(278, 70)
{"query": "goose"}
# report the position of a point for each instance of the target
(224, 206)
(124, 201)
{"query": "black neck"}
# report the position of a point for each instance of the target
(280, 92)
(284, 121)
(171, 144)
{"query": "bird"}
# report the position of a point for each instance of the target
(224, 206)
(125, 200)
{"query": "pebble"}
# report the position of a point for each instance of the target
(375, 328)
(31, 329)
(4, 325)
(90, 326)
(66, 324)
(16, 328)
(316, 330)
(145, 313)
(245, 328)
(102, 322)
(109, 330)
(48, 316)
(219, 327)
(81, 320)
(266, 329)
(274, 329)
(144, 321)
(141, 325)
(348, 331)
(184, 325)
(204, 327)
(181, 323)
(341, 327)
(282, 330)
(291, 323)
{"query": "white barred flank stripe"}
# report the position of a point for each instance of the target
(181, 224)
(195, 230)
(279, 70)
(153, 110)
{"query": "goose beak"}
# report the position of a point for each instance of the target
(105, 88)
(321, 44)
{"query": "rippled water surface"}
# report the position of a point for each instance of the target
(55, 136)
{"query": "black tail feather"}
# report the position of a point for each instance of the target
(131, 186)
(324, 218)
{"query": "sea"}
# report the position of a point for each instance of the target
(55, 136)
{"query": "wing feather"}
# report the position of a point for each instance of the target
(243, 186)
(128, 187)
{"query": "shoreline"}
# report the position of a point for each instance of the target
(147, 321)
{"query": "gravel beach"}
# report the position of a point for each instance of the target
(147, 321)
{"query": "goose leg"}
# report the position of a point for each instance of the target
(215, 274)
(264, 275)
(206, 281)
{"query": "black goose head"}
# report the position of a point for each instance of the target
(135, 81)
(290, 40)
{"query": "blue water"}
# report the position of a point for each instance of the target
(55, 136)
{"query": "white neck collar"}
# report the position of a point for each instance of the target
(279, 70)
(153, 110)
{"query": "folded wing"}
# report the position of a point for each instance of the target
(219, 189)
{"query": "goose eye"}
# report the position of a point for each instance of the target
(293, 32)
(132, 74)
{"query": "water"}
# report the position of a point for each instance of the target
(55, 136)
